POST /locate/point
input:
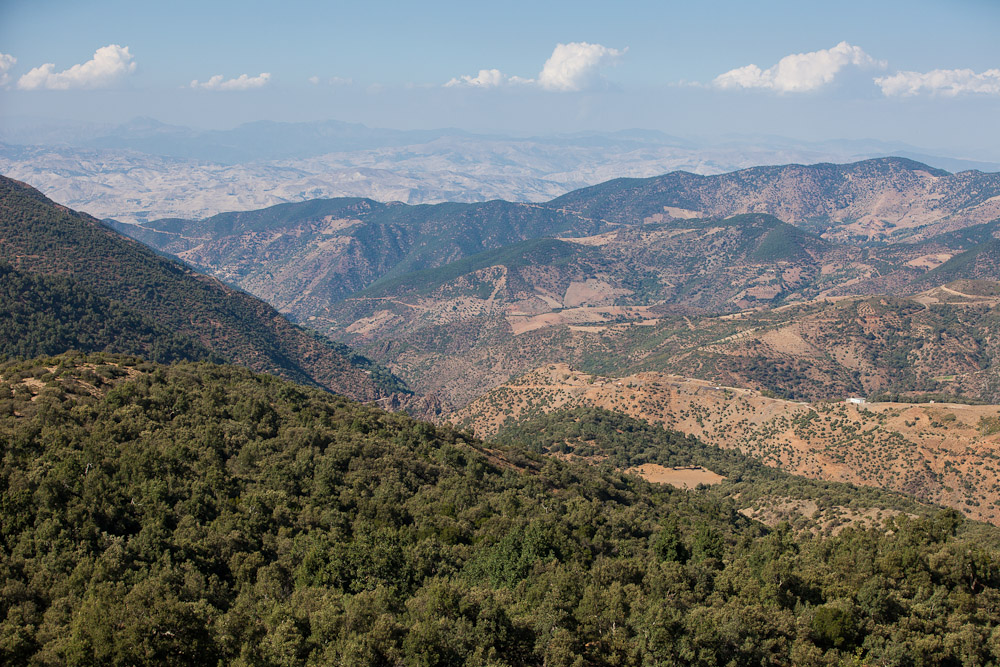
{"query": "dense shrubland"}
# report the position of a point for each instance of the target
(51, 314)
(200, 514)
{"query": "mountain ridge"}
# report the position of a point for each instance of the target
(822, 194)
(42, 237)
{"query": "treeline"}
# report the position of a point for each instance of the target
(201, 514)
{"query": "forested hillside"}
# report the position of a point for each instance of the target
(39, 236)
(195, 514)
(52, 314)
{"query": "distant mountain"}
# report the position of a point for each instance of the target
(41, 237)
(881, 199)
(303, 257)
(260, 140)
(954, 165)
(457, 329)
(459, 297)
(145, 169)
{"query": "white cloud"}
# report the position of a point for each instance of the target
(487, 78)
(6, 62)
(109, 64)
(576, 66)
(799, 72)
(314, 80)
(242, 82)
(947, 82)
(571, 67)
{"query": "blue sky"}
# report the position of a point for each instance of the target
(679, 67)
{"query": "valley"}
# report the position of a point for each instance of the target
(677, 405)
(538, 335)
(747, 331)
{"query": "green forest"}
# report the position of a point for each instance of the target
(177, 312)
(46, 315)
(203, 514)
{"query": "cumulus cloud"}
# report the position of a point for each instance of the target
(947, 82)
(487, 78)
(109, 65)
(571, 67)
(242, 82)
(799, 72)
(576, 66)
(6, 62)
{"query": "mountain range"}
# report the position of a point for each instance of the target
(146, 169)
(459, 297)
(805, 284)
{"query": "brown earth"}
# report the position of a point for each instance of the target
(939, 452)
(682, 478)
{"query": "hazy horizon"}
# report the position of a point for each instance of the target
(920, 73)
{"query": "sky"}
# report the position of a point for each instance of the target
(922, 72)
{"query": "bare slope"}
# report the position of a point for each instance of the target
(945, 453)
(459, 339)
